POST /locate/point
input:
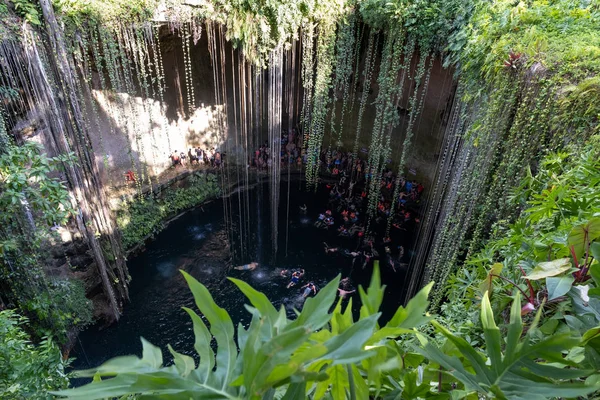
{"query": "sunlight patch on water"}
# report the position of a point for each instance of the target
(166, 269)
(194, 229)
(200, 236)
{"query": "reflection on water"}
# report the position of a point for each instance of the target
(197, 243)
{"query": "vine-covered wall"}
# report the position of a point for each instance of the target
(528, 85)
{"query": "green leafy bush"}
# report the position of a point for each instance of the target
(550, 256)
(325, 353)
(28, 10)
(145, 216)
(33, 200)
(27, 371)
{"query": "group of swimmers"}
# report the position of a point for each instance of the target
(345, 289)
(295, 276)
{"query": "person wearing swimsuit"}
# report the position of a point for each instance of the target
(310, 287)
(295, 278)
(247, 267)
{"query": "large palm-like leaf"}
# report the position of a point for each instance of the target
(516, 367)
(318, 352)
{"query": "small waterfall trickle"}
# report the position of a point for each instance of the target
(28, 214)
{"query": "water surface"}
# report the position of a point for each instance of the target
(198, 243)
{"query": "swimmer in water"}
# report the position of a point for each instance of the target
(330, 249)
(309, 287)
(303, 209)
(345, 288)
(247, 267)
(284, 273)
(345, 293)
(295, 278)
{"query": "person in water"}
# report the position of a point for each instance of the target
(295, 278)
(309, 287)
(248, 267)
(345, 293)
(345, 288)
(330, 249)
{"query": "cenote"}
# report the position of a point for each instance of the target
(147, 145)
(197, 242)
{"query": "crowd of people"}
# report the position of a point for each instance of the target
(345, 216)
(361, 239)
(291, 153)
(197, 156)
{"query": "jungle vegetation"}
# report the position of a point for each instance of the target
(508, 253)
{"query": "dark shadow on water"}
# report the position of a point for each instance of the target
(197, 243)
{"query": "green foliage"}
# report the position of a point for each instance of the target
(28, 10)
(560, 34)
(27, 371)
(518, 366)
(25, 181)
(54, 306)
(528, 83)
(430, 22)
(58, 308)
(317, 350)
(549, 255)
(33, 201)
(145, 216)
(324, 353)
(109, 11)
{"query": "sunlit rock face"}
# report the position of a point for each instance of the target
(141, 125)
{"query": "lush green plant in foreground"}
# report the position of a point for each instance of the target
(323, 354)
(27, 371)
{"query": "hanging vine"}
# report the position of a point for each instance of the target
(386, 114)
(320, 101)
(345, 47)
(367, 79)
(415, 110)
(308, 65)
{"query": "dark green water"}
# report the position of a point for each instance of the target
(197, 243)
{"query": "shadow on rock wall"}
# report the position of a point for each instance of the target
(135, 134)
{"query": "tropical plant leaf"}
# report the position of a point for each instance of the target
(184, 364)
(258, 300)
(581, 235)
(221, 327)
(315, 312)
(412, 388)
(549, 268)
(372, 298)
(493, 339)
(595, 250)
(524, 373)
(348, 347)
(559, 286)
(486, 284)
(202, 346)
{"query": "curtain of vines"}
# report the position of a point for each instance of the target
(320, 101)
